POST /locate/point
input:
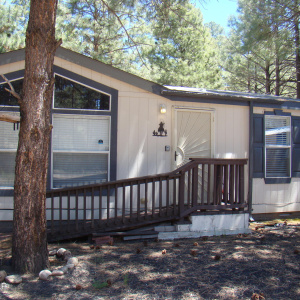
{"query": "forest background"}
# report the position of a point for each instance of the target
(260, 53)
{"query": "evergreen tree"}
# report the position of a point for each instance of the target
(13, 20)
(183, 51)
(260, 50)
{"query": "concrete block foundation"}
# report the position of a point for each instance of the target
(207, 225)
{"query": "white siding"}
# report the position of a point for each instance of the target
(275, 198)
(138, 152)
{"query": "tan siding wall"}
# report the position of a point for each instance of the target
(12, 67)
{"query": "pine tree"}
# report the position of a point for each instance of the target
(13, 19)
(183, 52)
(261, 48)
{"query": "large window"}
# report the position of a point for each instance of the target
(80, 145)
(81, 137)
(277, 146)
(71, 95)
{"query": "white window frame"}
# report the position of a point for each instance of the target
(287, 145)
(80, 151)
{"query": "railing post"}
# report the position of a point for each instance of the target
(69, 212)
(202, 184)
(76, 211)
(181, 194)
(100, 206)
(116, 203)
(146, 199)
(160, 197)
(226, 184)
(123, 202)
(195, 186)
(231, 184)
(167, 196)
(52, 213)
(84, 209)
(138, 200)
(92, 209)
(241, 185)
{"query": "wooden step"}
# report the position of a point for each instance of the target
(140, 237)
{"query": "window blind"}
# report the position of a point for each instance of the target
(80, 133)
(8, 148)
(7, 169)
(80, 146)
(278, 146)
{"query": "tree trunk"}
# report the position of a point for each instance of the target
(297, 51)
(29, 248)
(277, 79)
(268, 78)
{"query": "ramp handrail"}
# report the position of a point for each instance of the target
(203, 184)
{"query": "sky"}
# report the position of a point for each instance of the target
(218, 11)
(213, 10)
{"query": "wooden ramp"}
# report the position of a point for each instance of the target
(201, 185)
(71, 229)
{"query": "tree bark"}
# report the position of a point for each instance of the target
(268, 78)
(277, 74)
(297, 58)
(29, 248)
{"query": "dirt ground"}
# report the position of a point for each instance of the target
(227, 267)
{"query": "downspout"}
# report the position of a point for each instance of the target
(250, 168)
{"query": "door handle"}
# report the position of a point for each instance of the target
(176, 155)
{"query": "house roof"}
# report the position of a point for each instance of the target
(92, 64)
(174, 93)
(179, 91)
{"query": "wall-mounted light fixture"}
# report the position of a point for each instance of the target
(162, 108)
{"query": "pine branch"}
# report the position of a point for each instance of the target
(7, 117)
(126, 32)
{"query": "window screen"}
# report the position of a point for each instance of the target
(80, 149)
(278, 146)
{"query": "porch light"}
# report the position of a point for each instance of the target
(162, 108)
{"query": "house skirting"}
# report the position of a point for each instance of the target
(206, 225)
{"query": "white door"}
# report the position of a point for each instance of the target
(193, 134)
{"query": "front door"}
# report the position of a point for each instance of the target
(193, 134)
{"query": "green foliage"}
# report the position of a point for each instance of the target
(126, 278)
(261, 49)
(183, 51)
(163, 41)
(99, 285)
(13, 20)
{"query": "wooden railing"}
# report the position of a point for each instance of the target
(200, 185)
